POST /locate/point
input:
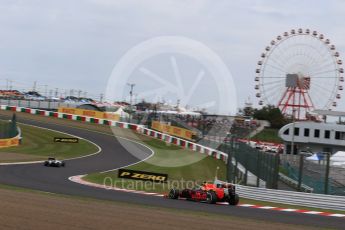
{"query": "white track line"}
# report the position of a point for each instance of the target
(74, 158)
(151, 155)
(79, 179)
(99, 148)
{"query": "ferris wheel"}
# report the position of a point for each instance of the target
(298, 72)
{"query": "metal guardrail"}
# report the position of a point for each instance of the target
(293, 198)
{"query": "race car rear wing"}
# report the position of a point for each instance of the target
(222, 184)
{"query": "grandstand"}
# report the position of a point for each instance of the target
(11, 94)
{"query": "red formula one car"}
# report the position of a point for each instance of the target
(208, 192)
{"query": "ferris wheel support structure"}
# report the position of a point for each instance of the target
(296, 98)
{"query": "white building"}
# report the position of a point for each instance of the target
(315, 136)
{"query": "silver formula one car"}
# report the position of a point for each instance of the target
(52, 162)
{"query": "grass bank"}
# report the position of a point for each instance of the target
(269, 135)
(184, 168)
(38, 144)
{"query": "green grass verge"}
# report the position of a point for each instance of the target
(38, 143)
(144, 207)
(184, 168)
(242, 200)
(269, 135)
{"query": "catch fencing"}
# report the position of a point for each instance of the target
(316, 174)
(8, 129)
(265, 166)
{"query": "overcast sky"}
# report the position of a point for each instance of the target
(70, 44)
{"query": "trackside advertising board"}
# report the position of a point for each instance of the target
(10, 142)
(90, 113)
(140, 175)
(173, 130)
(66, 140)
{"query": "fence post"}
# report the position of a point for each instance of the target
(300, 173)
(258, 163)
(269, 170)
(233, 155)
(230, 168)
(246, 168)
(13, 126)
(328, 156)
(276, 171)
(236, 166)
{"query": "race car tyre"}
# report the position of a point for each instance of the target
(233, 200)
(186, 194)
(173, 194)
(45, 163)
(63, 164)
(211, 197)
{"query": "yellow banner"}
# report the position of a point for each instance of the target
(89, 113)
(173, 130)
(10, 142)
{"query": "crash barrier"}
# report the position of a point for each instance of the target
(293, 198)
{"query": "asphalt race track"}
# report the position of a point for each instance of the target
(113, 155)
